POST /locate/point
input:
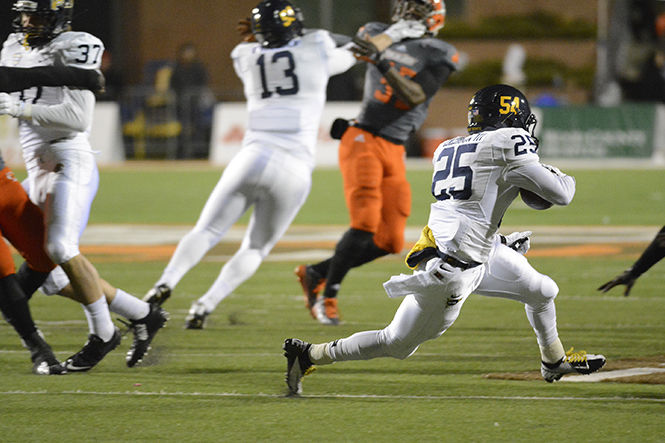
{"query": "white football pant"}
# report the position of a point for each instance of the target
(276, 184)
(63, 182)
(428, 313)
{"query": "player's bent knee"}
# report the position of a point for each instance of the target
(545, 291)
(549, 288)
(60, 251)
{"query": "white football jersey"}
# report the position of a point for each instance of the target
(286, 89)
(56, 110)
(475, 180)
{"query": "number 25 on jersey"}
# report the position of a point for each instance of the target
(451, 178)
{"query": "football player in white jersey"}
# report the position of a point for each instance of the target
(460, 250)
(54, 123)
(285, 73)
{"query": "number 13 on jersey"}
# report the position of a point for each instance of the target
(452, 179)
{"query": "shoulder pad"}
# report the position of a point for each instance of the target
(243, 49)
(316, 35)
(441, 53)
(516, 143)
(11, 43)
(79, 49)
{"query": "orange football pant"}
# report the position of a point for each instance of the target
(377, 193)
(22, 224)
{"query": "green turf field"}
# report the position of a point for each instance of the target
(225, 383)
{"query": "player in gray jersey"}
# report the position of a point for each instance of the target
(460, 252)
(408, 65)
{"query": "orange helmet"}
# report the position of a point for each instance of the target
(431, 12)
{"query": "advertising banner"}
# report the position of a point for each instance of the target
(230, 123)
(597, 132)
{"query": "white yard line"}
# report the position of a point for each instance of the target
(139, 393)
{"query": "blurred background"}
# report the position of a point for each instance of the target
(594, 70)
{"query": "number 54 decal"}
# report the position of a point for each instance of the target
(443, 187)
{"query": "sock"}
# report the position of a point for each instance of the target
(322, 267)
(237, 270)
(99, 319)
(129, 306)
(190, 250)
(14, 306)
(553, 352)
(29, 279)
(355, 248)
(318, 354)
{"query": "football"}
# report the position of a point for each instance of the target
(534, 201)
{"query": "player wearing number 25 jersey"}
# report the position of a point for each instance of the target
(408, 66)
(460, 251)
(285, 74)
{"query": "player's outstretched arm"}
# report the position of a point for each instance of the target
(626, 278)
(17, 79)
(651, 255)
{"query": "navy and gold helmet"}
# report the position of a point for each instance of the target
(499, 106)
(276, 22)
(52, 17)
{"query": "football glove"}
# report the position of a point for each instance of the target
(365, 50)
(627, 278)
(404, 29)
(11, 106)
(518, 241)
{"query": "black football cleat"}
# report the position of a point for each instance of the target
(157, 295)
(41, 354)
(144, 331)
(298, 363)
(572, 363)
(196, 317)
(92, 352)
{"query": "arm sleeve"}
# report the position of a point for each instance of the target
(651, 255)
(74, 113)
(340, 60)
(17, 79)
(431, 80)
(533, 176)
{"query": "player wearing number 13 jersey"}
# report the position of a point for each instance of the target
(285, 73)
(408, 66)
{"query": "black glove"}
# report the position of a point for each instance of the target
(627, 278)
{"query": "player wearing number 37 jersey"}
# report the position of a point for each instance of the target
(460, 251)
(285, 74)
